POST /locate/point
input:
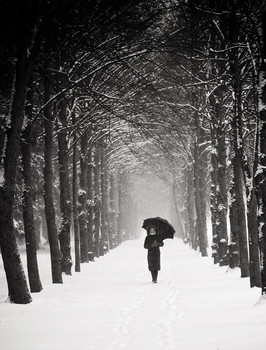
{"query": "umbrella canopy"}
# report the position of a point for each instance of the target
(163, 228)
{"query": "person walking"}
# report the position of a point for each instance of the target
(153, 244)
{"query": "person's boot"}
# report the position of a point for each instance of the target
(154, 276)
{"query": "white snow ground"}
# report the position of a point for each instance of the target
(113, 305)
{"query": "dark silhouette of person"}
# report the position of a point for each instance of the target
(152, 243)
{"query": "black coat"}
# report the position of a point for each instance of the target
(152, 244)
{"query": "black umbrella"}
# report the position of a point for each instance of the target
(163, 228)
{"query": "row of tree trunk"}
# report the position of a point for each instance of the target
(220, 142)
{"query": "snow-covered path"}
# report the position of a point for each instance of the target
(113, 305)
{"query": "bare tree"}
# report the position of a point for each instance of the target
(261, 172)
(28, 140)
(26, 46)
(49, 120)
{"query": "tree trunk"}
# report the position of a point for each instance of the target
(252, 212)
(180, 227)
(222, 197)
(241, 218)
(234, 245)
(261, 179)
(90, 206)
(235, 70)
(3, 126)
(97, 200)
(75, 206)
(28, 216)
(200, 139)
(218, 124)
(105, 243)
(17, 286)
(261, 173)
(65, 199)
(48, 187)
(82, 198)
(113, 216)
(238, 177)
(254, 263)
(121, 209)
(191, 208)
(200, 202)
(213, 196)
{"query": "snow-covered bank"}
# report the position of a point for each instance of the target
(113, 305)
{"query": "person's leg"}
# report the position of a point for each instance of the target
(154, 275)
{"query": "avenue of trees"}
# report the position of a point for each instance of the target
(96, 95)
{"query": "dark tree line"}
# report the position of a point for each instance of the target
(224, 59)
(94, 92)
